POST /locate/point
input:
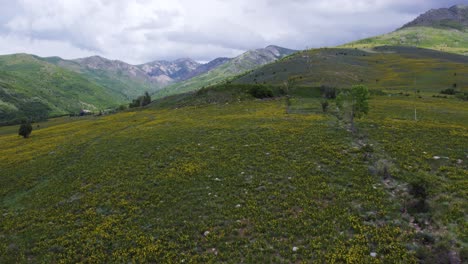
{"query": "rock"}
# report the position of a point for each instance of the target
(206, 233)
(261, 188)
(238, 206)
(295, 249)
(373, 254)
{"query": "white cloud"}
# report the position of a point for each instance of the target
(142, 30)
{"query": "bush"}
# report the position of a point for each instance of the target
(450, 91)
(259, 91)
(328, 92)
(25, 130)
(462, 96)
(325, 105)
(141, 101)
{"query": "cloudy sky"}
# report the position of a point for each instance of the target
(139, 31)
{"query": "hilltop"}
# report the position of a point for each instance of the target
(455, 17)
(444, 29)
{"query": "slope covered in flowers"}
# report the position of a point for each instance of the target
(235, 182)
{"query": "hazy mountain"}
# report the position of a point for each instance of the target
(229, 68)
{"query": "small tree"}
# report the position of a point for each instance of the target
(146, 100)
(25, 129)
(354, 103)
(141, 101)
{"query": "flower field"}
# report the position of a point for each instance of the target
(241, 182)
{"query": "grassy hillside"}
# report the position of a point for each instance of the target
(441, 39)
(34, 89)
(118, 81)
(387, 68)
(238, 180)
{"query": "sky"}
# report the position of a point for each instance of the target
(139, 31)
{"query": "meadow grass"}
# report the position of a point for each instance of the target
(232, 182)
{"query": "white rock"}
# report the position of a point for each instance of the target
(295, 249)
(373, 254)
(238, 206)
(206, 233)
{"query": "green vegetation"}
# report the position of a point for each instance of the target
(219, 176)
(353, 103)
(25, 129)
(141, 101)
(436, 38)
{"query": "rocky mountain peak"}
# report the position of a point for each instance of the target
(455, 17)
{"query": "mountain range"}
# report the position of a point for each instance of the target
(36, 88)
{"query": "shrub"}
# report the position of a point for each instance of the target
(141, 101)
(25, 129)
(450, 91)
(328, 92)
(324, 104)
(462, 96)
(259, 91)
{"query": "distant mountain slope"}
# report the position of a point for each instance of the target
(117, 76)
(441, 29)
(33, 88)
(247, 61)
(167, 72)
(389, 68)
(455, 17)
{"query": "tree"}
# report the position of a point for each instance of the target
(25, 129)
(354, 103)
(141, 101)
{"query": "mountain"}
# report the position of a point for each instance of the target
(31, 87)
(444, 29)
(455, 17)
(386, 67)
(37, 88)
(117, 76)
(228, 68)
(167, 72)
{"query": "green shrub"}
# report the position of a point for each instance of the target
(25, 130)
(450, 91)
(260, 91)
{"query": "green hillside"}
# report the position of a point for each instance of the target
(216, 176)
(31, 88)
(387, 68)
(442, 39)
(117, 81)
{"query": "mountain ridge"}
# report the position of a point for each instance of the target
(455, 17)
(246, 61)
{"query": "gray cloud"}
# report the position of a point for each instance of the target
(143, 30)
